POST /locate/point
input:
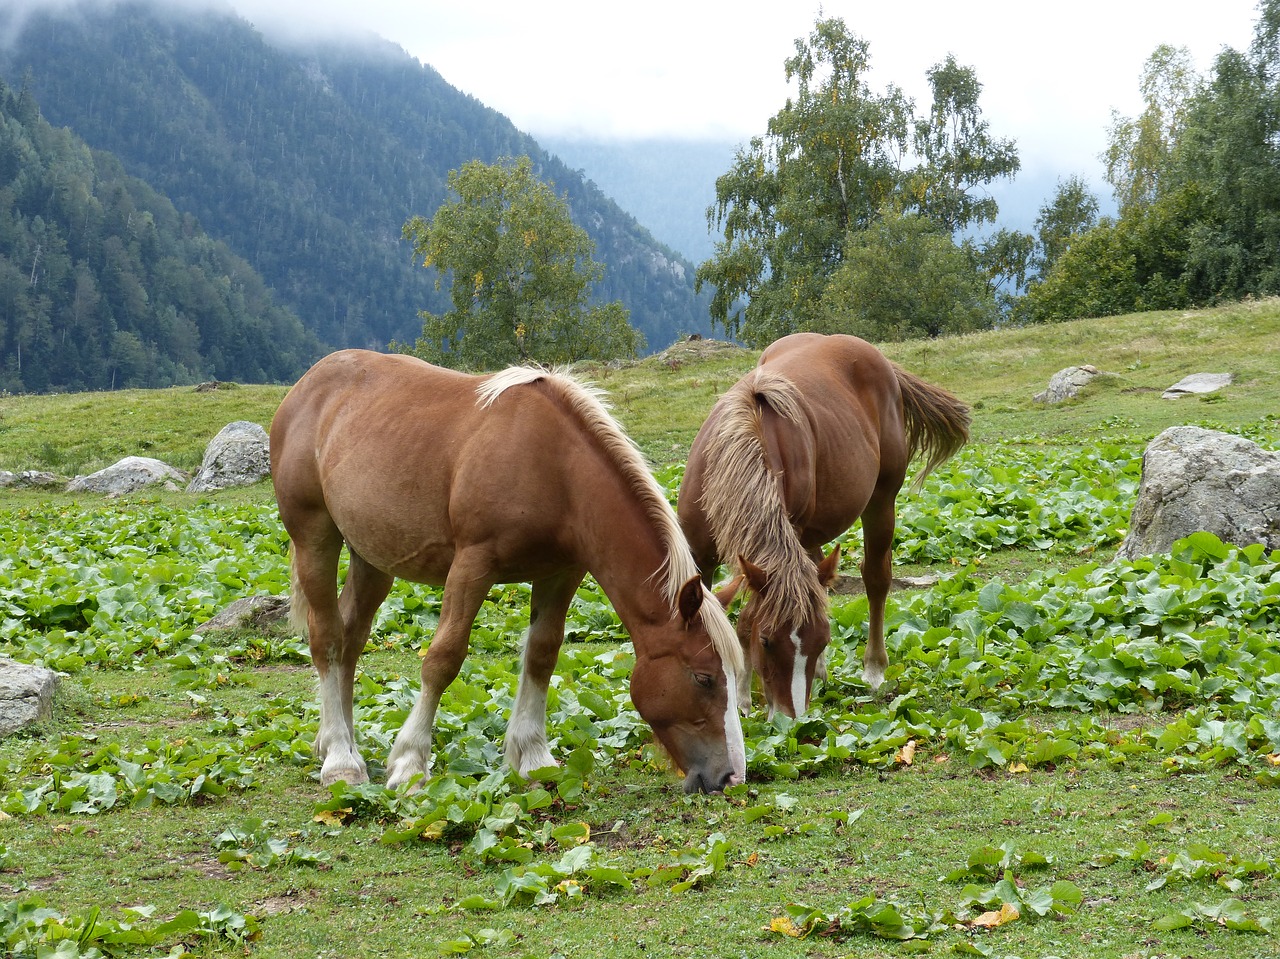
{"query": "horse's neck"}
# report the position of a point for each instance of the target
(624, 551)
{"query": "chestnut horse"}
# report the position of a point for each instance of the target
(818, 435)
(467, 481)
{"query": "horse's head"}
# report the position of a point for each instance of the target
(785, 642)
(684, 685)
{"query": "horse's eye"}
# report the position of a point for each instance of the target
(705, 680)
(764, 642)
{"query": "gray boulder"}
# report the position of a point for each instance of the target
(1197, 383)
(1195, 479)
(238, 456)
(1067, 384)
(26, 695)
(128, 476)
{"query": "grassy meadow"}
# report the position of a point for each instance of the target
(1070, 756)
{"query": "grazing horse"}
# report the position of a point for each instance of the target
(818, 435)
(467, 481)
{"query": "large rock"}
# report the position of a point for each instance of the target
(238, 456)
(128, 476)
(1067, 384)
(26, 695)
(1195, 479)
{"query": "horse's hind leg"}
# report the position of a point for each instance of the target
(464, 591)
(877, 577)
(526, 742)
(315, 572)
(362, 593)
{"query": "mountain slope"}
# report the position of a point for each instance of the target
(103, 284)
(307, 160)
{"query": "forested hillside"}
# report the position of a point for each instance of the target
(103, 284)
(308, 160)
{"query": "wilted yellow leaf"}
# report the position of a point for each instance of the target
(784, 926)
(1005, 914)
(1019, 768)
(907, 754)
(941, 758)
(1274, 759)
(434, 831)
(333, 817)
(753, 859)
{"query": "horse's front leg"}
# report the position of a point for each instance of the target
(464, 591)
(526, 741)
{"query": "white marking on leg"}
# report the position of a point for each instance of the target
(411, 754)
(526, 746)
(335, 739)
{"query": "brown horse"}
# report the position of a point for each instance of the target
(466, 481)
(819, 434)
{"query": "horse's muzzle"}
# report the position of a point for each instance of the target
(701, 782)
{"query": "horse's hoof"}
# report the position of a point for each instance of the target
(400, 773)
(352, 776)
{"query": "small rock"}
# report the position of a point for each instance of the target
(1197, 383)
(252, 612)
(128, 476)
(1067, 384)
(26, 695)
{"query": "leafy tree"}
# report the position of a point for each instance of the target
(957, 152)
(1141, 153)
(833, 161)
(905, 277)
(1072, 210)
(1005, 259)
(1195, 179)
(520, 275)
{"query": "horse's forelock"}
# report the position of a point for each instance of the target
(589, 403)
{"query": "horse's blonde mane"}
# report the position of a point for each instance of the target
(589, 405)
(742, 499)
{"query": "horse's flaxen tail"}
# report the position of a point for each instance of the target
(937, 423)
(298, 605)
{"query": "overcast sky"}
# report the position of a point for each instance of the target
(1051, 72)
(713, 69)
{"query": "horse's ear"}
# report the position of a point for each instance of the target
(829, 568)
(727, 593)
(690, 600)
(757, 578)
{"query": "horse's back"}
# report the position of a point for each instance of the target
(357, 412)
(392, 453)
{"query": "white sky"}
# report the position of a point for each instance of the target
(1052, 72)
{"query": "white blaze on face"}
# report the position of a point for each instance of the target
(799, 702)
(734, 741)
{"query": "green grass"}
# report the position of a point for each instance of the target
(663, 399)
(1172, 766)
